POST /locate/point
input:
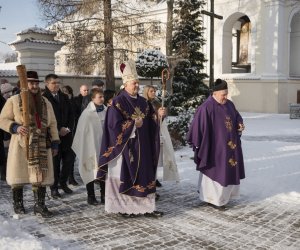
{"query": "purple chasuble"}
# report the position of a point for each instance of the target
(216, 142)
(140, 154)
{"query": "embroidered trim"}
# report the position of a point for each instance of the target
(152, 185)
(228, 123)
(118, 106)
(119, 139)
(126, 125)
(108, 152)
(231, 145)
(142, 189)
(139, 188)
(232, 162)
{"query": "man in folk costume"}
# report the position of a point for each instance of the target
(87, 141)
(215, 136)
(129, 151)
(37, 168)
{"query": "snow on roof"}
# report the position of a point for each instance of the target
(36, 30)
(7, 73)
(37, 41)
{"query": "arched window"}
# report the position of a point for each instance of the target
(237, 43)
(241, 44)
(295, 46)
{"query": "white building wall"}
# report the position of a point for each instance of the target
(294, 52)
(273, 54)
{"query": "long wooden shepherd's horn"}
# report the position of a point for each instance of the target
(21, 70)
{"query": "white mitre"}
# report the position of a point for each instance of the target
(128, 70)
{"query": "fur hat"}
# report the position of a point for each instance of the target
(32, 76)
(6, 88)
(128, 70)
(220, 84)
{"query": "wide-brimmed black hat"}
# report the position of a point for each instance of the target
(220, 84)
(32, 76)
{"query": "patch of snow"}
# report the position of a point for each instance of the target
(12, 237)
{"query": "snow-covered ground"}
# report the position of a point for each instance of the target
(271, 146)
(13, 238)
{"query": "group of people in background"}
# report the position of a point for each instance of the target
(119, 140)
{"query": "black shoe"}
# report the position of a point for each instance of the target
(158, 184)
(55, 194)
(18, 200)
(128, 215)
(19, 209)
(91, 200)
(43, 211)
(40, 207)
(157, 196)
(66, 189)
(73, 182)
(220, 208)
(155, 214)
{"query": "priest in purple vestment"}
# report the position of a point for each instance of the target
(215, 137)
(129, 151)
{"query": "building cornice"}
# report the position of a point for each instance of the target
(36, 30)
(32, 40)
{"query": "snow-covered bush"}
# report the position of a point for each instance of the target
(178, 128)
(150, 63)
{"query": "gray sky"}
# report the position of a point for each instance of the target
(15, 16)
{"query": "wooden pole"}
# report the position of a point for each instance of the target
(21, 70)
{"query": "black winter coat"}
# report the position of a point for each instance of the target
(64, 115)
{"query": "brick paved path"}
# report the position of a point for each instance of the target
(187, 224)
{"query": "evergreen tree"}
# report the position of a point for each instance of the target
(189, 91)
(188, 87)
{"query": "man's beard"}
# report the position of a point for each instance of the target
(35, 103)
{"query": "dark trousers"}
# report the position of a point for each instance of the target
(71, 173)
(62, 164)
(91, 190)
